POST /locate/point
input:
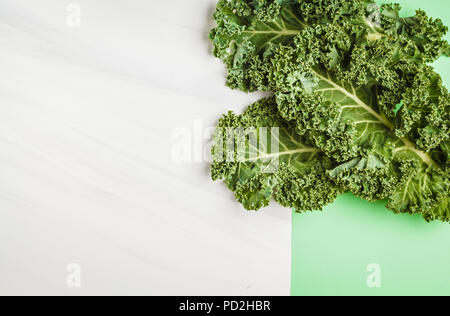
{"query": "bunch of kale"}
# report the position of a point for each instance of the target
(355, 102)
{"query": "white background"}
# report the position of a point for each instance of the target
(88, 117)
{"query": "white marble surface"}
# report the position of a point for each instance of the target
(87, 119)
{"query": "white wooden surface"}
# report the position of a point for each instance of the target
(87, 119)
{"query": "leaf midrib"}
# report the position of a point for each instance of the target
(283, 153)
(283, 30)
(409, 145)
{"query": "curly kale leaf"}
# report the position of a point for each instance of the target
(247, 32)
(356, 89)
(425, 112)
(377, 161)
(347, 108)
(422, 191)
(425, 33)
(279, 165)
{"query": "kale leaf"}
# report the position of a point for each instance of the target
(351, 82)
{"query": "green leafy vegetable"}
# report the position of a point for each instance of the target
(293, 173)
(353, 83)
(248, 31)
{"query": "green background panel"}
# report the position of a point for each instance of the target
(332, 249)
